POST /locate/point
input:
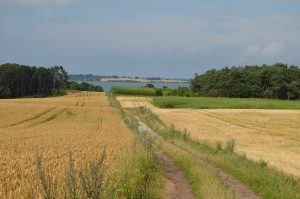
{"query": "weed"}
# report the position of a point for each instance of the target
(230, 145)
(263, 163)
(70, 179)
(92, 178)
(44, 177)
(219, 146)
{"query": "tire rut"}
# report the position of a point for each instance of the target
(50, 118)
(241, 190)
(181, 189)
(29, 119)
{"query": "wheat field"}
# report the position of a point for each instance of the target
(81, 122)
(269, 135)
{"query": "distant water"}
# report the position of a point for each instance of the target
(107, 85)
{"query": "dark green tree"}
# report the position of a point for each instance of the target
(278, 81)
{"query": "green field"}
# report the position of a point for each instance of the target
(133, 91)
(140, 91)
(223, 103)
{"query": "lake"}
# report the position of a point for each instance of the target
(107, 85)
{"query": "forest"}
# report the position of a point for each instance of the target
(20, 81)
(278, 81)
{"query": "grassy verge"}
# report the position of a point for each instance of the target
(141, 177)
(265, 181)
(135, 176)
(144, 178)
(223, 103)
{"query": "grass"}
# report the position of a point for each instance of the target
(148, 181)
(133, 91)
(140, 91)
(141, 179)
(136, 177)
(265, 181)
(223, 103)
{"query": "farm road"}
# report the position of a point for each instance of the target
(177, 186)
(182, 188)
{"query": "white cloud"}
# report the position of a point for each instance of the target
(273, 49)
(147, 34)
(268, 50)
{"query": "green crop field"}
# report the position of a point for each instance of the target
(133, 91)
(223, 103)
(140, 91)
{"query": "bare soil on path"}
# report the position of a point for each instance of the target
(182, 189)
(177, 186)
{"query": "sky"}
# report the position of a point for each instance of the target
(165, 38)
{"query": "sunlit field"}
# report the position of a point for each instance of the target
(269, 135)
(81, 122)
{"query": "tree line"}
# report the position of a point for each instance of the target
(21, 80)
(278, 81)
(83, 86)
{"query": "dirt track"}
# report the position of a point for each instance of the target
(177, 185)
(182, 189)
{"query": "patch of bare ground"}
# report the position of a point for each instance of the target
(177, 186)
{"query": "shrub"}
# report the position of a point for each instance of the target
(149, 86)
(158, 93)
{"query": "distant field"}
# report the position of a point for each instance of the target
(82, 122)
(134, 91)
(270, 135)
(223, 103)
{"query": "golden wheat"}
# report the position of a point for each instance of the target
(269, 135)
(82, 122)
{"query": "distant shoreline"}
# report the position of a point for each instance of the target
(140, 80)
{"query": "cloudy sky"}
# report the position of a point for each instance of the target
(168, 38)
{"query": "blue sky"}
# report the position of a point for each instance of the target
(168, 38)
